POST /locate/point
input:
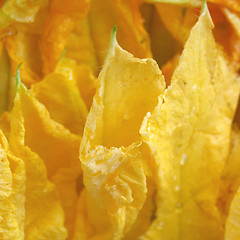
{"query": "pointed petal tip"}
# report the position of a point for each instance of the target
(114, 31)
(204, 6)
(18, 77)
(113, 38)
(205, 12)
(113, 41)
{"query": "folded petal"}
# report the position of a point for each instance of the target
(112, 156)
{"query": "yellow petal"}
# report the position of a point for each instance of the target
(177, 2)
(61, 21)
(148, 211)
(230, 179)
(232, 231)
(22, 10)
(23, 48)
(116, 186)
(80, 45)
(114, 175)
(121, 104)
(41, 195)
(60, 94)
(87, 83)
(5, 123)
(11, 193)
(189, 133)
(82, 227)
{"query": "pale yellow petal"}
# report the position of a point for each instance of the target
(112, 156)
(189, 133)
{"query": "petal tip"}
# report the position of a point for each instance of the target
(18, 77)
